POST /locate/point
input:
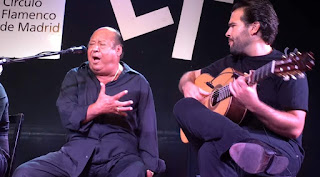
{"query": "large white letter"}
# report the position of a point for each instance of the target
(188, 28)
(226, 1)
(132, 26)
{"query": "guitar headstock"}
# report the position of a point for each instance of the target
(293, 65)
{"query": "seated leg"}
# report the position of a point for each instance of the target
(130, 165)
(50, 165)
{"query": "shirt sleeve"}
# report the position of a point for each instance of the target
(4, 122)
(3, 102)
(215, 68)
(71, 112)
(148, 141)
(294, 94)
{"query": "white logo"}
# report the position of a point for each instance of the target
(132, 26)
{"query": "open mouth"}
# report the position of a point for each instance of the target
(230, 42)
(95, 58)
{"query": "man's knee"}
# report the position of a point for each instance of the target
(136, 169)
(21, 171)
(183, 105)
(28, 169)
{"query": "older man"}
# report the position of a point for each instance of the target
(108, 111)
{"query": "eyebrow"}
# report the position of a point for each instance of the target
(97, 40)
(231, 23)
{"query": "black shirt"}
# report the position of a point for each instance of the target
(109, 137)
(273, 90)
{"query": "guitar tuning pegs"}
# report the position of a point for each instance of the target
(293, 77)
(292, 54)
(286, 77)
(296, 51)
(285, 52)
(301, 75)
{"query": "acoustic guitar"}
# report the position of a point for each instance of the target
(221, 101)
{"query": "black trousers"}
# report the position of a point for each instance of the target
(212, 135)
(58, 164)
(3, 165)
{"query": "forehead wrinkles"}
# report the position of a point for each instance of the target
(102, 39)
(103, 34)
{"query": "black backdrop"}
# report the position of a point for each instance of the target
(33, 86)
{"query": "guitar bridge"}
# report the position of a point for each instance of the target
(210, 85)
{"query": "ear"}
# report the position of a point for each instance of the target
(255, 26)
(119, 50)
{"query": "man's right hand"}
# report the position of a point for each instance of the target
(111, 104)
(107, 104)
(191, 90)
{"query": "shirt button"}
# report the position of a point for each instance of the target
(86, 156)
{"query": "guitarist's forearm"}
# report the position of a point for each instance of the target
(288, 124)
(188, 77)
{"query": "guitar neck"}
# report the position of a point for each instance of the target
(259, 74)
(288, 67)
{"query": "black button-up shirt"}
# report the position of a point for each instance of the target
(108, 137)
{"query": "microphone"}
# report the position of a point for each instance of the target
(75, 50)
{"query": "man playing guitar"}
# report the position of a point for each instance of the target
(268, 140)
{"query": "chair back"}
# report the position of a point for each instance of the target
(16, 121)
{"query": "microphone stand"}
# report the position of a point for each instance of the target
(5, 60)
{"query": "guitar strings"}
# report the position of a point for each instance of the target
(223, 90)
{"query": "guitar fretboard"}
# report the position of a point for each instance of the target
(220, 94)
(262, 72)
(259, 74)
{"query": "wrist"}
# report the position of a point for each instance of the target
(93, 111)
(256, 107)
(185, 86)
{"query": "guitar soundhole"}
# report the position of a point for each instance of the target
(214, 98)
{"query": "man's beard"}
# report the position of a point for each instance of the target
(238, 47)
(236, 50)
(240, 42)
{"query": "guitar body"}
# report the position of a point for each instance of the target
(228, 107)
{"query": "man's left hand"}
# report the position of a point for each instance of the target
(245, 94)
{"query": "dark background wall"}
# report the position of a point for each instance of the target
(33, 86)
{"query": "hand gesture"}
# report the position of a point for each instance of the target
(111, 104)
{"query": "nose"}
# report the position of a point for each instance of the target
(94, 48)
(228, 33)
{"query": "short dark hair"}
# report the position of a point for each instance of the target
(118, 39)
(263, 12)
